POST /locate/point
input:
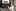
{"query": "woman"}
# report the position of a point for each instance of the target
(5, 8)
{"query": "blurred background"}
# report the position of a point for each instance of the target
(13, 3)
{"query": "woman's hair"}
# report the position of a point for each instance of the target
(6, 5)
(0, 5)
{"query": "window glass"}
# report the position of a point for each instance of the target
(6, 2)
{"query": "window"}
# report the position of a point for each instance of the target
(5, 1)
